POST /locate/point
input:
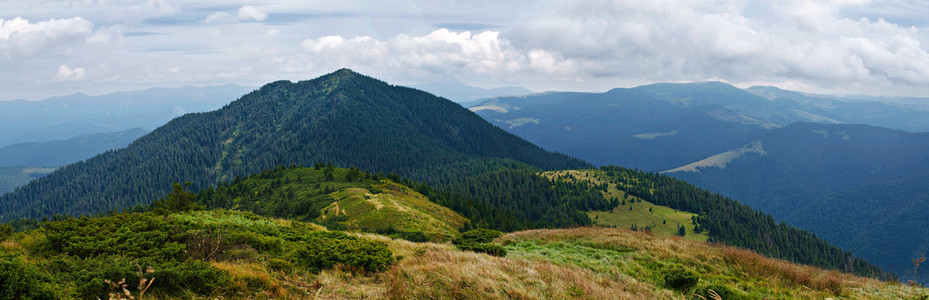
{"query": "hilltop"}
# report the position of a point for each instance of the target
(344, 117)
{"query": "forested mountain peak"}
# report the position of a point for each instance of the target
(343, 117)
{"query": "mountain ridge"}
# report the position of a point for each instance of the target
(337, 117)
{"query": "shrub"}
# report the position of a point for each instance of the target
(492, 249)
(323, 250)
(478, 240)
(680, 279)
(477, 236)
(277, 264)
(134, 235)
(196, 276)
(5, 231)
(21, 280)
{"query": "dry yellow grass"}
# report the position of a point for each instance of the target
(754, 274)
(466, 275)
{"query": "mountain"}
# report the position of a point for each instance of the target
(53, 154)
(69, 116)
(345, 118)
(620, 127)
(21, 163)
(661, 126)
(465, 94)
(12, 177)
(892, 113)
(856, 186)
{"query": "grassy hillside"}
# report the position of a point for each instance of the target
(338, 198)
(230, 254)
(633, 211)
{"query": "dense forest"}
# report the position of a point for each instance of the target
(344, 117)
(735, 224)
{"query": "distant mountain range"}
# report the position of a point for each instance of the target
(466, 94)
(69, 116)
(21, 163)
(794, 155)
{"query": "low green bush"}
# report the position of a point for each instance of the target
(476, 236)
(323, 250)
(680, 279)
(277, 264)
(492, 249)
(21, 280)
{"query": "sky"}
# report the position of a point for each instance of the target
(53, 48)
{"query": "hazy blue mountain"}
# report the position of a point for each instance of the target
(69, 116)
(906, 114)
(62, 152)
(661, 126)
(12, 177)
(860, 187)
(624, 127)
(21, 163)
(466, 94)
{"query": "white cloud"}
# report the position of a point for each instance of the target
(66, 73)
(250, 13)
(246, 13)
(21, 39)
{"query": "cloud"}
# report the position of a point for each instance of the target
(440, 51)
(21, 39)
(699, 40)
(796, 43)
(66, 73)
(246, 13)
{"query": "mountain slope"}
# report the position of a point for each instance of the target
(58, 153)
(662, 126)
(621, 127)
(241, 255)
(338, 198)
(342, 117)
(856, 186)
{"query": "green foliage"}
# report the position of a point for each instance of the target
(277, 264)
(735, 224)
(492, 249)
(517, 199)
(6, 231)
(477, 236)
(680, 279)
(135, 235)
(478, 240)
(178, 200)
(80, 254)
(366, 202)
(19, 280)
(323, 250)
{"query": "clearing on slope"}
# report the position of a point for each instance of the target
(633, 212)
